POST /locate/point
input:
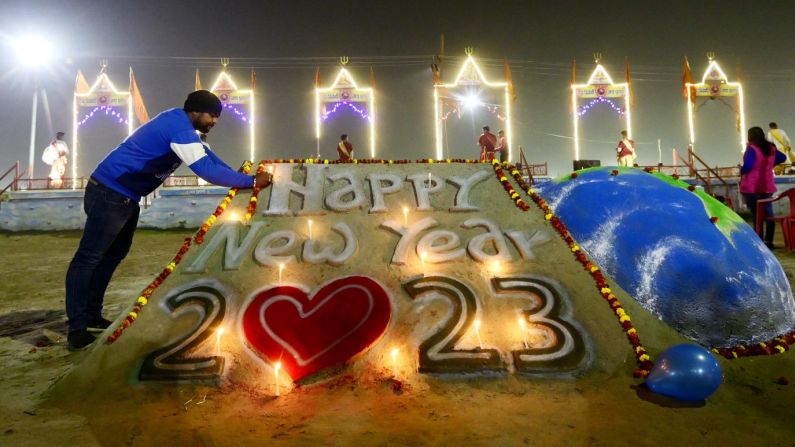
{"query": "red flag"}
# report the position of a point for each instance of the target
(138, 101)
(81, 86)
(197, 83)
(627, 77)
(509, 79)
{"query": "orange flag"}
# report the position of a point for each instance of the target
(317, 78)
(437, 75)
(627, 77)
(687, 78)
(81, 86)
(197, 83)
(138, 100)
(509, 80)
(573, 71)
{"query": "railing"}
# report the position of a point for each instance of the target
(39, 184)
(530, 170)
(706, 174)
(184, 180)
(17, 175)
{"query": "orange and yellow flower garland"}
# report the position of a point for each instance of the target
(198, 238)
(644, 360)
(252, 201)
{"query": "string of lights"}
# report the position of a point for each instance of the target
(238, 113)
(109, 111)
(583, 110)
(360, 111)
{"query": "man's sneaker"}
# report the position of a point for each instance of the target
(79, 340)
(99, 325)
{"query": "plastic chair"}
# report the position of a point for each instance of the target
(787, 221)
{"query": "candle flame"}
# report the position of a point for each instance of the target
(477, 325)
(395, 352)
(277, 366)
(220, 332)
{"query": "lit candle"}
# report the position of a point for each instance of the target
(423, 255)
(477, 332)
(395, 352)
(495, 267)
(309, 222)
(524, 332)
(218, 333)
(281, 269)
(276, 369)
(406, 216)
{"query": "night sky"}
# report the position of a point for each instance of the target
(165, 41)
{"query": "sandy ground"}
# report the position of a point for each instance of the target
(750, 408)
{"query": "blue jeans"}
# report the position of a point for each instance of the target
(107, 237)
(768, 227)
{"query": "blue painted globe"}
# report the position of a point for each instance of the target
(714, 282)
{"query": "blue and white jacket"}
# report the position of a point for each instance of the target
(147, 157)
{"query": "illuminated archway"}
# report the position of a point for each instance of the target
(599, 89)
(231, 97)
(469, 75)
(344, 92)
(714, 85)
(104, 99)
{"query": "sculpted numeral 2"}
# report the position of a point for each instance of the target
(170, 362)
(437, 352)
(561, 348)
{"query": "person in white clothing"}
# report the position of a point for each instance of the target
(55, 155)
(781, 140)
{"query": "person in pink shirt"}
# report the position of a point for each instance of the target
(756, 177)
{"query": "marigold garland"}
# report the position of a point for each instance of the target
(198, 238)
(252, 202)
(641, 354)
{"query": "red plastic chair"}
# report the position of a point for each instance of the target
(787, 221)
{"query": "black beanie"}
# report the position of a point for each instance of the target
(203, 101)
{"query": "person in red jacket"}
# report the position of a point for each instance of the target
(345, 148)
(487, 141)
(756, 178)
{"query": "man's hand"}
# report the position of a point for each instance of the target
(263, 179)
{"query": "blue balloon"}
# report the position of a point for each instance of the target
(685, 372)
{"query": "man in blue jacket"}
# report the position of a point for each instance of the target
(134, 169)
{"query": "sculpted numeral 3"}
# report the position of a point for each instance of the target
(554, 344)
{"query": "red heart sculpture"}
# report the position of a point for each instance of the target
(310, 333)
